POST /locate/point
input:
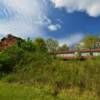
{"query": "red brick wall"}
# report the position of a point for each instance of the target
(7, 43)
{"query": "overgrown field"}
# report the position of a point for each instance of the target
(28, 72)
(40, 92)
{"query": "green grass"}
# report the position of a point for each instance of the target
(16, 91)
(38, 76)
(24, 92)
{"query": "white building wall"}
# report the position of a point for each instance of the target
(76, 54)
(66, 55)
(85, 54)
(96, 53)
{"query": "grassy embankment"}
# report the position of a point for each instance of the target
(28, 72)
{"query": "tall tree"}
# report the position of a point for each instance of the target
(64, 47)
(40, 43)
(90, 41)
(28, 45)
(52, 45)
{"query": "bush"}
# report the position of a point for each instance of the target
(9, 58)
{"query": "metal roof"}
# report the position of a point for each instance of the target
(73, 51)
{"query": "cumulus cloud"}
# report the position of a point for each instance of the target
(23, 17)
(91, 7)
(54, 27)
(72, 39)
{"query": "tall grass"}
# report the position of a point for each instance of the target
(61, 74)
(56, 79)
(40, 92)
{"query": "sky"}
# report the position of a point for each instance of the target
(68, 21)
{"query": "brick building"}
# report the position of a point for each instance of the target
(8, 41)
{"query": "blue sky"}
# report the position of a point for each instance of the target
(68, 21)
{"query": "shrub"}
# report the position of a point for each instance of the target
(9, 58)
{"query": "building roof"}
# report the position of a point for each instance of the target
(73, 51)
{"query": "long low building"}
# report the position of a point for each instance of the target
(70, 54)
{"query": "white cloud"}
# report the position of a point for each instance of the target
(54, 27)
(91, 7)
(72, 39)
(24, 17)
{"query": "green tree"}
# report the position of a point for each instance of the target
(40, 44)
(79, 46)
(64, 47)
(90, 41)
(9, 58)
(52, 45)
(28, 45)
